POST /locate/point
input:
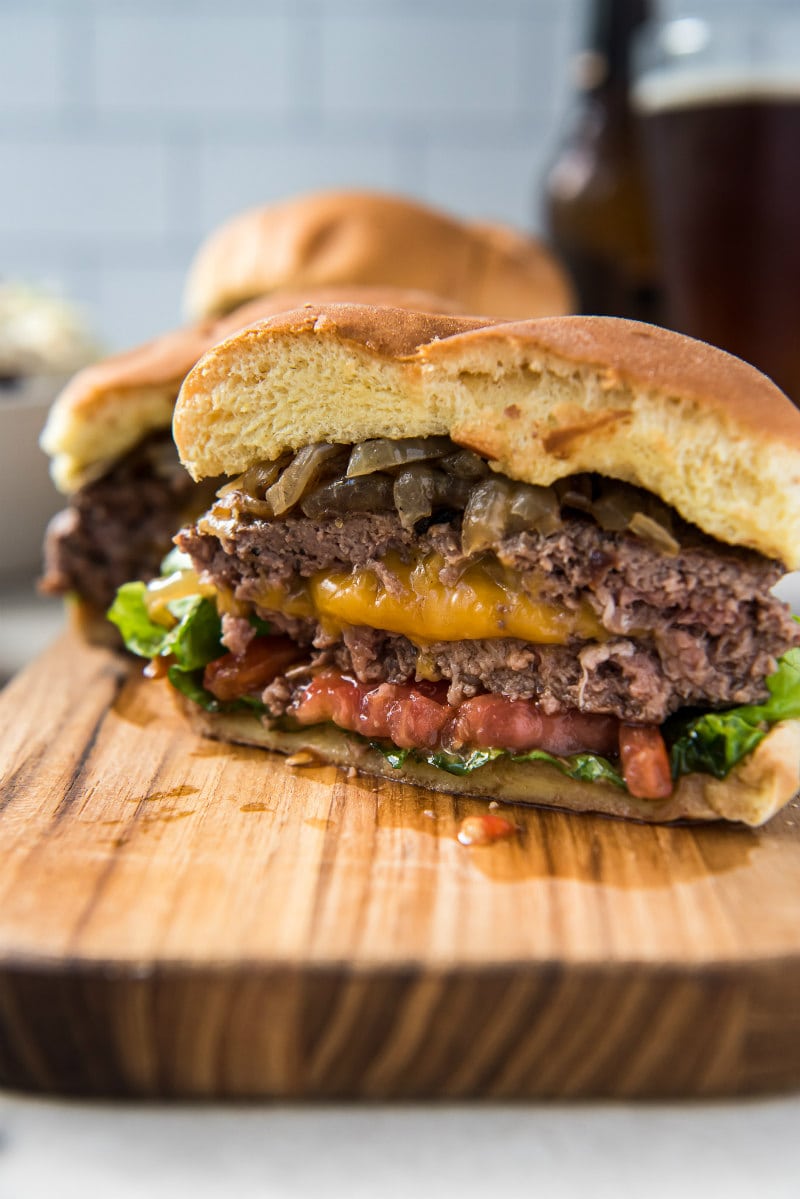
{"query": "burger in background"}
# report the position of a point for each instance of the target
(329, 238)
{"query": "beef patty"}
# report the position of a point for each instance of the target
(120, 526)
(697, 627)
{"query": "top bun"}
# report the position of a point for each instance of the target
(334, 237)
(541, 399)
(109, 407)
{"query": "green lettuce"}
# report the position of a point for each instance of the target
(587, 767)
(714, 742)
(193, 641)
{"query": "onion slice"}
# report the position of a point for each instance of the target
(653, 533)
(385, 453)
(256, 480)
(370, 494)
(486, 515)
(300, 475)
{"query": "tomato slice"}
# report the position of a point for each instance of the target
(231, 677)
(404, 715)
(330, 696)
(645, 762)
(495, 721)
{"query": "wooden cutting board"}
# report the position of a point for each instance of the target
(181, 918)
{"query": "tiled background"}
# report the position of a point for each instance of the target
(129, 128)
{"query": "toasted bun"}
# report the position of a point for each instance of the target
(109, 407)
(334, 237)
(541, 399)
(753, 792)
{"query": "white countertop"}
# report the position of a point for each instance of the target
(82, 1151)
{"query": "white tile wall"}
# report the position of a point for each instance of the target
(129, 128)
(91, 190)
(422, 68)
(31, 78)
(241, 174)
(173, 61)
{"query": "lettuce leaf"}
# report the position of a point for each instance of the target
(784, 693)
(193, 641)
(714, 742)
(585, 767)
(471, 759)
(190, 684)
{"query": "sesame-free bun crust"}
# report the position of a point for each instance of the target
(333, 237)
(541, 399)
(753, 792)
(109, 407)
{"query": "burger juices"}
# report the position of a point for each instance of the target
(452, 587)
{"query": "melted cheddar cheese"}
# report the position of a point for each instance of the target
(485, 602)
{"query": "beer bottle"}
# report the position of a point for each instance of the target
(595, 199)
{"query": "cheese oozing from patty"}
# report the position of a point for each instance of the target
(485, 602)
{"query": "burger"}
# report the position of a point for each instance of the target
(329, 238)
(526, 561)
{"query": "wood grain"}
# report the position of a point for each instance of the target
(181, 918)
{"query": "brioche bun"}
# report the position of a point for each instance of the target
(541, 399)
(333, 237)
(109, 407)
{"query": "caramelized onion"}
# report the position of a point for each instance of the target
(413, 493)
(385, 453)
(219, 521)
(497, 507)
(575, 492)
(533, 507)
(372, 493)
(300, 475)
(653, 533)
(257, 479)
(465, 464)
(615, 507)
(420, 490)
(241, 502)
(485, 515)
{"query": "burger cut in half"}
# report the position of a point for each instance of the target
(531, 562)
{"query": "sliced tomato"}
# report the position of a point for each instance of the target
(494, 721)
(232, 676)
(404, 715)
(330, 696)
(645, 761)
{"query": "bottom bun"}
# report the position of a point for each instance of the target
(753, 792)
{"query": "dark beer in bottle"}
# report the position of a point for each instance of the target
(595, 198)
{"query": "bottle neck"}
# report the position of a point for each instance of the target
(611, 25)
